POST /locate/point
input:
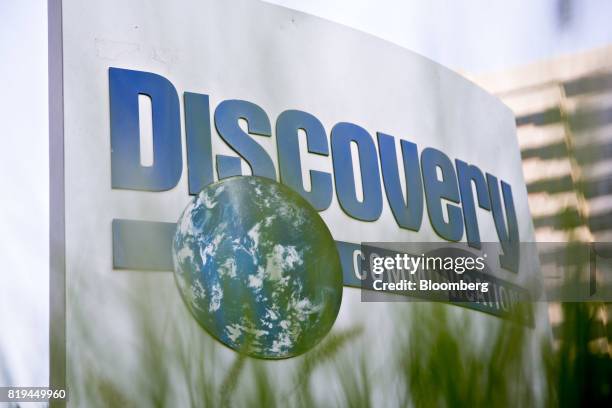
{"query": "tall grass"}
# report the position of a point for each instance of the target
(436, 364)
(439, 355)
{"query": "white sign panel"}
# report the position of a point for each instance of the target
(162, 98)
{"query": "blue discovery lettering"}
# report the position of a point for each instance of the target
(377, 162)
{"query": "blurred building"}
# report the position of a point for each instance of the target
(563, 110)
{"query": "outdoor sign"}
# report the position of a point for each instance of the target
(155, 101)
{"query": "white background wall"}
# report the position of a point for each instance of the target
(24, 193)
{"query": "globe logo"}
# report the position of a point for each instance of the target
(257, 267)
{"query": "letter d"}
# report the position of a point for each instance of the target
(127, 172)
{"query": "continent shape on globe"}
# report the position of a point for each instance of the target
(257, 267)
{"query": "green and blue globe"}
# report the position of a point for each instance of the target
(257, 267)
